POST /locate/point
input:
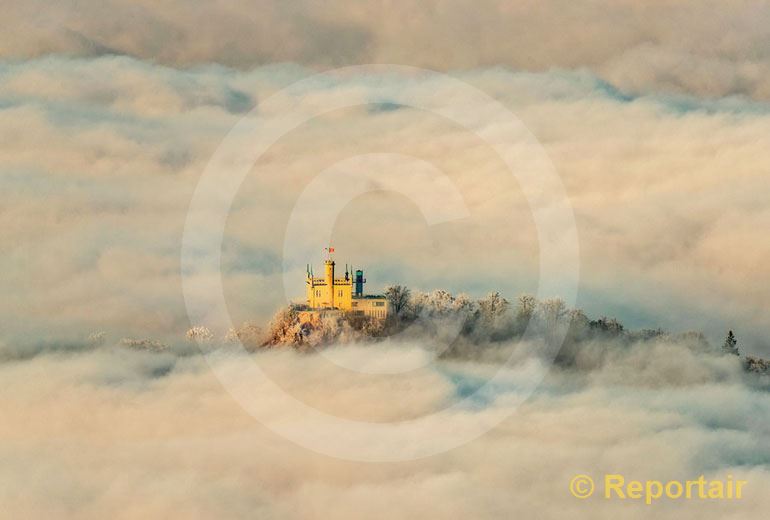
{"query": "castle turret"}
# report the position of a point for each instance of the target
(329, 264)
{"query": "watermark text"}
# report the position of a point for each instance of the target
(617, 487)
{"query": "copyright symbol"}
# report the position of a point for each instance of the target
(581, 486)
(253, 136)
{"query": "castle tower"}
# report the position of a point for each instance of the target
(329, 265)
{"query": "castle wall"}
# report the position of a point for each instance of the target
(372, 307)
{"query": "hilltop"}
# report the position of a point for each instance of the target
(460, 327)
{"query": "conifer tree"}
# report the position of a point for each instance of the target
(730, 345)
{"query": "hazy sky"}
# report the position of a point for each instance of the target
(655, 116)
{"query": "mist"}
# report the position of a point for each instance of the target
(119, 430)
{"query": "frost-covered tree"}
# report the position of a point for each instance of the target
(97, 339)
(284, 327)
(152, 345)
(199, 334)
(730, 345)
(578, 319)
(463, 304)
(439, 302)
(579, 325)
(492, 306)
(552, 311)
(418, 303)
(525, 310)
(248, 335)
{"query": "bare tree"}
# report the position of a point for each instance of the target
(398, 296)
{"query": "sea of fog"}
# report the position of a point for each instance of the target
(113, 431)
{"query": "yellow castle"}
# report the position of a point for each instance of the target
(345, 294)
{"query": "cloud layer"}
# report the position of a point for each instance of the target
(703, 48)
(112, 431)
